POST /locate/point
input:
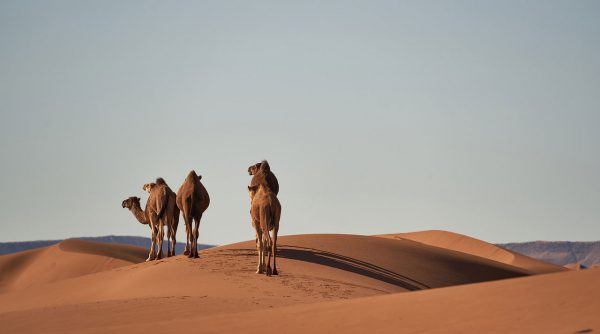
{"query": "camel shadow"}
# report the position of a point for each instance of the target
(348, 264)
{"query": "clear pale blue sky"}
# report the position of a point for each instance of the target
(479, 117)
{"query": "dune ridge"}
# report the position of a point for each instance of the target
(469, 245)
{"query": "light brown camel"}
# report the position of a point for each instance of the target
(271, 179)
(265, 212)
(172, 215)
(133, 204)
(155, 215)
(192, 200)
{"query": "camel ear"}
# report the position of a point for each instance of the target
(199, 177)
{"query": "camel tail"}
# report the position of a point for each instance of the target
(164, 199)
(192, 201)
(270, 218)
(269, 221)
(161, 212)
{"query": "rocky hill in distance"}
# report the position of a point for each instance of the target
(562, 253)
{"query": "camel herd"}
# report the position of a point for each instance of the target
(163, 207)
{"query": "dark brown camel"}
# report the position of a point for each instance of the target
(265, 211)
(192, 200)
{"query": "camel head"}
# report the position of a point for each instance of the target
(148, 187)
(263, 165)
(131, 202)
(259, 179)
(253, 169)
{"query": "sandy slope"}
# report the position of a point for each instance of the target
(565, 302)
(469, 245)
(69, 258)
(175, 293)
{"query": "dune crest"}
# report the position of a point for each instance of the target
(465, 244)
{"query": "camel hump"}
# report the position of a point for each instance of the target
(264, 166)
(193, 176)
(160, 181)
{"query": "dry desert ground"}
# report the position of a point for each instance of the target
(422, 282)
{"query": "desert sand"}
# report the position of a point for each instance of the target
(403, 283)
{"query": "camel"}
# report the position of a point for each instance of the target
(271, 179)
(192, 200)
(172, 215)
(155, 214)
(265, 212)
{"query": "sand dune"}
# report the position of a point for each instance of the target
(111, 292)
(469, 245)
(565, 302)
(67, 259)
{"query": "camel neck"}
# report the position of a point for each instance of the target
(139, 215)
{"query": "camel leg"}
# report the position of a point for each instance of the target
(274, 249)
(173, 240)
(259, 252)
(267, 248)
(265, 217)
(174, 229)
(196, 235)
(186, 251)
(160, 237)
(188, 230)
(153, 239)
(169, 236)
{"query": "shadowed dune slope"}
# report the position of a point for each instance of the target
(407, 265)
(469, 245)
(67, 259)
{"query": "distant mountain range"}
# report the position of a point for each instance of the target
(12, 247)
(559, 252)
